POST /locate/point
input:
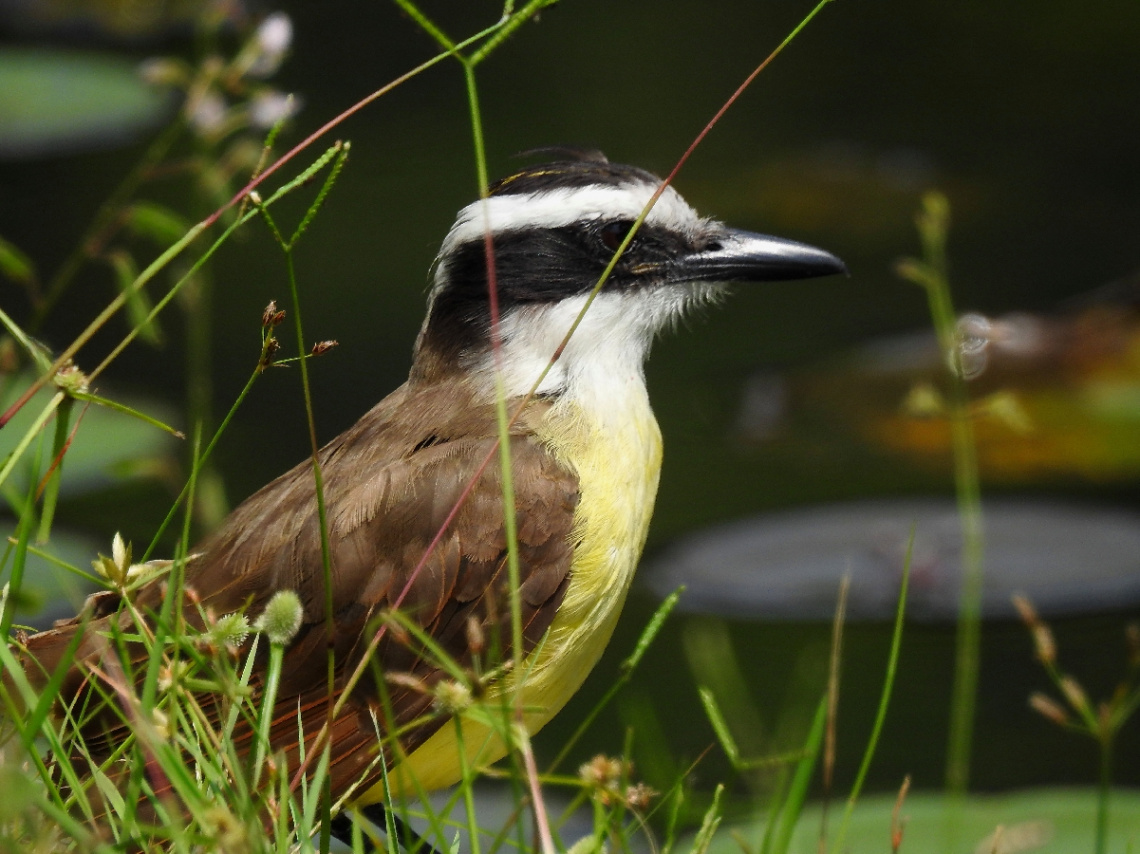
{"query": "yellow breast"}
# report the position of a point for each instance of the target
(616, 453)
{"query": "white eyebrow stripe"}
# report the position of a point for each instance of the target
(567, 205)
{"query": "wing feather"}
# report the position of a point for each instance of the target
(391, 482)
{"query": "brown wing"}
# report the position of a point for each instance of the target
(390, 483)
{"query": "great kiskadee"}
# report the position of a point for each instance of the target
(585, 456)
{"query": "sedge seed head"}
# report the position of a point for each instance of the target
(1044, 643)
(1048, 708)
(230, 631)
(1075, 694)
(281, 619)
(640, 796)
(452, 697)
(1025, 610)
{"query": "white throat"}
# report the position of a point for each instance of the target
(603, 362)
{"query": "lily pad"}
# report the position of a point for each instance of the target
(56, 102)
(106, 443)
(1067, 558)
(1043, 821)
(50, 591)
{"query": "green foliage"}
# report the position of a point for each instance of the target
(16, 266)
(1101, 723)
(932, 274)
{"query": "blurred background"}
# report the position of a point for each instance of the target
(797, 414)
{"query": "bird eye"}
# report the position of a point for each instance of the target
(613, 233)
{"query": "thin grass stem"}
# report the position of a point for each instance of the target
(932, 274)
(1104, 793)
(884, 700)
(796, 796)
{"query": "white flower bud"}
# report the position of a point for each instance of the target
(120, 553)
(162, 71)
(272, 40)
(269, 107)
(207, 113)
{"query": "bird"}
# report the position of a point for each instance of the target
(415, 516)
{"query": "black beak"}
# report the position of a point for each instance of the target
(742, 256)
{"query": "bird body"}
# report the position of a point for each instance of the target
(415, 517)
(617, 472)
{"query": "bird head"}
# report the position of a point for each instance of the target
(555, 229)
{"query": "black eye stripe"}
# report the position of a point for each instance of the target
(613, 233)
(543, 265)
(547, 264)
